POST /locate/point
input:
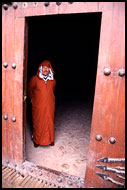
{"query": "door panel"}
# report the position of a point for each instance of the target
(108, 112)
(8, 83)
(13, 50)
(18, 88)
(4, 150)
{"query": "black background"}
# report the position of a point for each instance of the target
(71, 43)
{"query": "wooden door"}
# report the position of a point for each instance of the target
(108, 112)
(108, 118)
(12, 87)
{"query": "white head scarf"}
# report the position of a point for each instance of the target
(47, 77)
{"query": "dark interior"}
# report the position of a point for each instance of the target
(71, 43)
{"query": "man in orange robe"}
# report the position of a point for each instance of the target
(41, 92)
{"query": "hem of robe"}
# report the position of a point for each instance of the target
(41, 144)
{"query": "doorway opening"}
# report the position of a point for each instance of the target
(71, 43)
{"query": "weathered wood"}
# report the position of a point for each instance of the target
(28, 183)
(4, 171)
(4, 147)
(76, 7)
(4, 123)
(108, 111)
(108, 98)
(25, 86)
(32, 183)
(22, 183)
(52, 9)
(42, 184)
(14, 180)
(12, 80)
(9, 54)
(18, 87)
(95, 148)
(6, 177)
(3, 168)
(105, 6)
(3, 60)
(117, 50)
(10, 178)
(28, 9)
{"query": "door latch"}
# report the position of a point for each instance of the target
(105, 177)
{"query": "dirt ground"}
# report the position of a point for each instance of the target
(72, 134)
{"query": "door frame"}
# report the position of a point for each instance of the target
(112, 14)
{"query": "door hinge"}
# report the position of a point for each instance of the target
(108, 160)
(105, 168)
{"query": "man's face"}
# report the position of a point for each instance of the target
(45, 70)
